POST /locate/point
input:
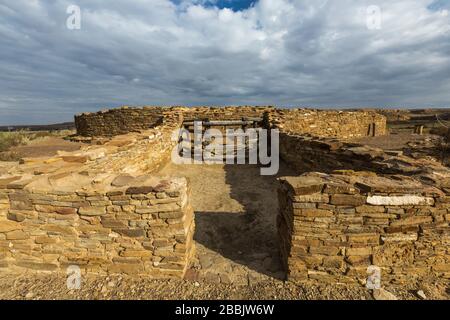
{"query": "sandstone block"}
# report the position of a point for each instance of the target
(347, 200)
(364, 251)
(399, 237)
(37, 265)
(7, 226)
(16, 216)
(364, 238)
(17, 235)
(139, 190)
(132, 233)
(412, 221)
(333, 262)
(304, 185)
(331, 251)
(313, 213)
(92, 211)
(53, 229)
(317, 197)
(399, 200)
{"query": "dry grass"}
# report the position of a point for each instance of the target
(9, 140)
(12, 139)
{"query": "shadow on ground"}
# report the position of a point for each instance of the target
(249, 237)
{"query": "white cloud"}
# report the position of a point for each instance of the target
(298, 52)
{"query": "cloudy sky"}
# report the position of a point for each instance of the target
(320, 53)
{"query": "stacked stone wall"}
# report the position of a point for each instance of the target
(99, 209)
(134, 225)
(333, 227)
(118, 121)
(321, 123)
(328, 123)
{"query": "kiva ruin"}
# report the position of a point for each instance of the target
(110, 208)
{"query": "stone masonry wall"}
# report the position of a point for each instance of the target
(328, 123)
(332, 227)
(117, 121)
(321, 123)
(133, 119)
(223, 113)
(135, 225)
(98, 208)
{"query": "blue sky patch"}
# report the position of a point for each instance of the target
(235, 5)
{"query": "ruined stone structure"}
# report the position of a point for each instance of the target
(105, 208)
(333, 227)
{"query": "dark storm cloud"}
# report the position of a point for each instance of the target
(281, 52)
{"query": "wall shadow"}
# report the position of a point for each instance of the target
(248, 237)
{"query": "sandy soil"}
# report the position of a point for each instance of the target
(398, 141)
(235, 215)
(45, 147)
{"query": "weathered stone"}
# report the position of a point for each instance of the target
(136, 253)
(333, 262)
(66, 210)
(399, 200)
(7, 226)
(44, 240)
(398, 237)
(382, 294)
(313, 213)
(331, 251)
(37, 265)
(304, 185)
(412, 221)
(364, 251)
(340, 188)
(347, 200)
(171, 215)
(139, 190)
(370, 209)
(17, 235)
(113, 223)
(317, 197)
(92, 211)
(122, 180)
(364, 238)
(128, 232)
(16, 216)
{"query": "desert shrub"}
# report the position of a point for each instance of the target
(9, 156)
(12, 139)
(443, 146)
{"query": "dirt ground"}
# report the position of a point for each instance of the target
(235, 215)
(54, 286)
(398, 141)
(45, 147)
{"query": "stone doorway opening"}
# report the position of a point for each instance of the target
(235, 214)
(235, 207)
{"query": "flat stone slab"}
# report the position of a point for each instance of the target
(404, 200)
(396, 184)
(305, 184)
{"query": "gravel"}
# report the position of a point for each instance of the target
(53, 286)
